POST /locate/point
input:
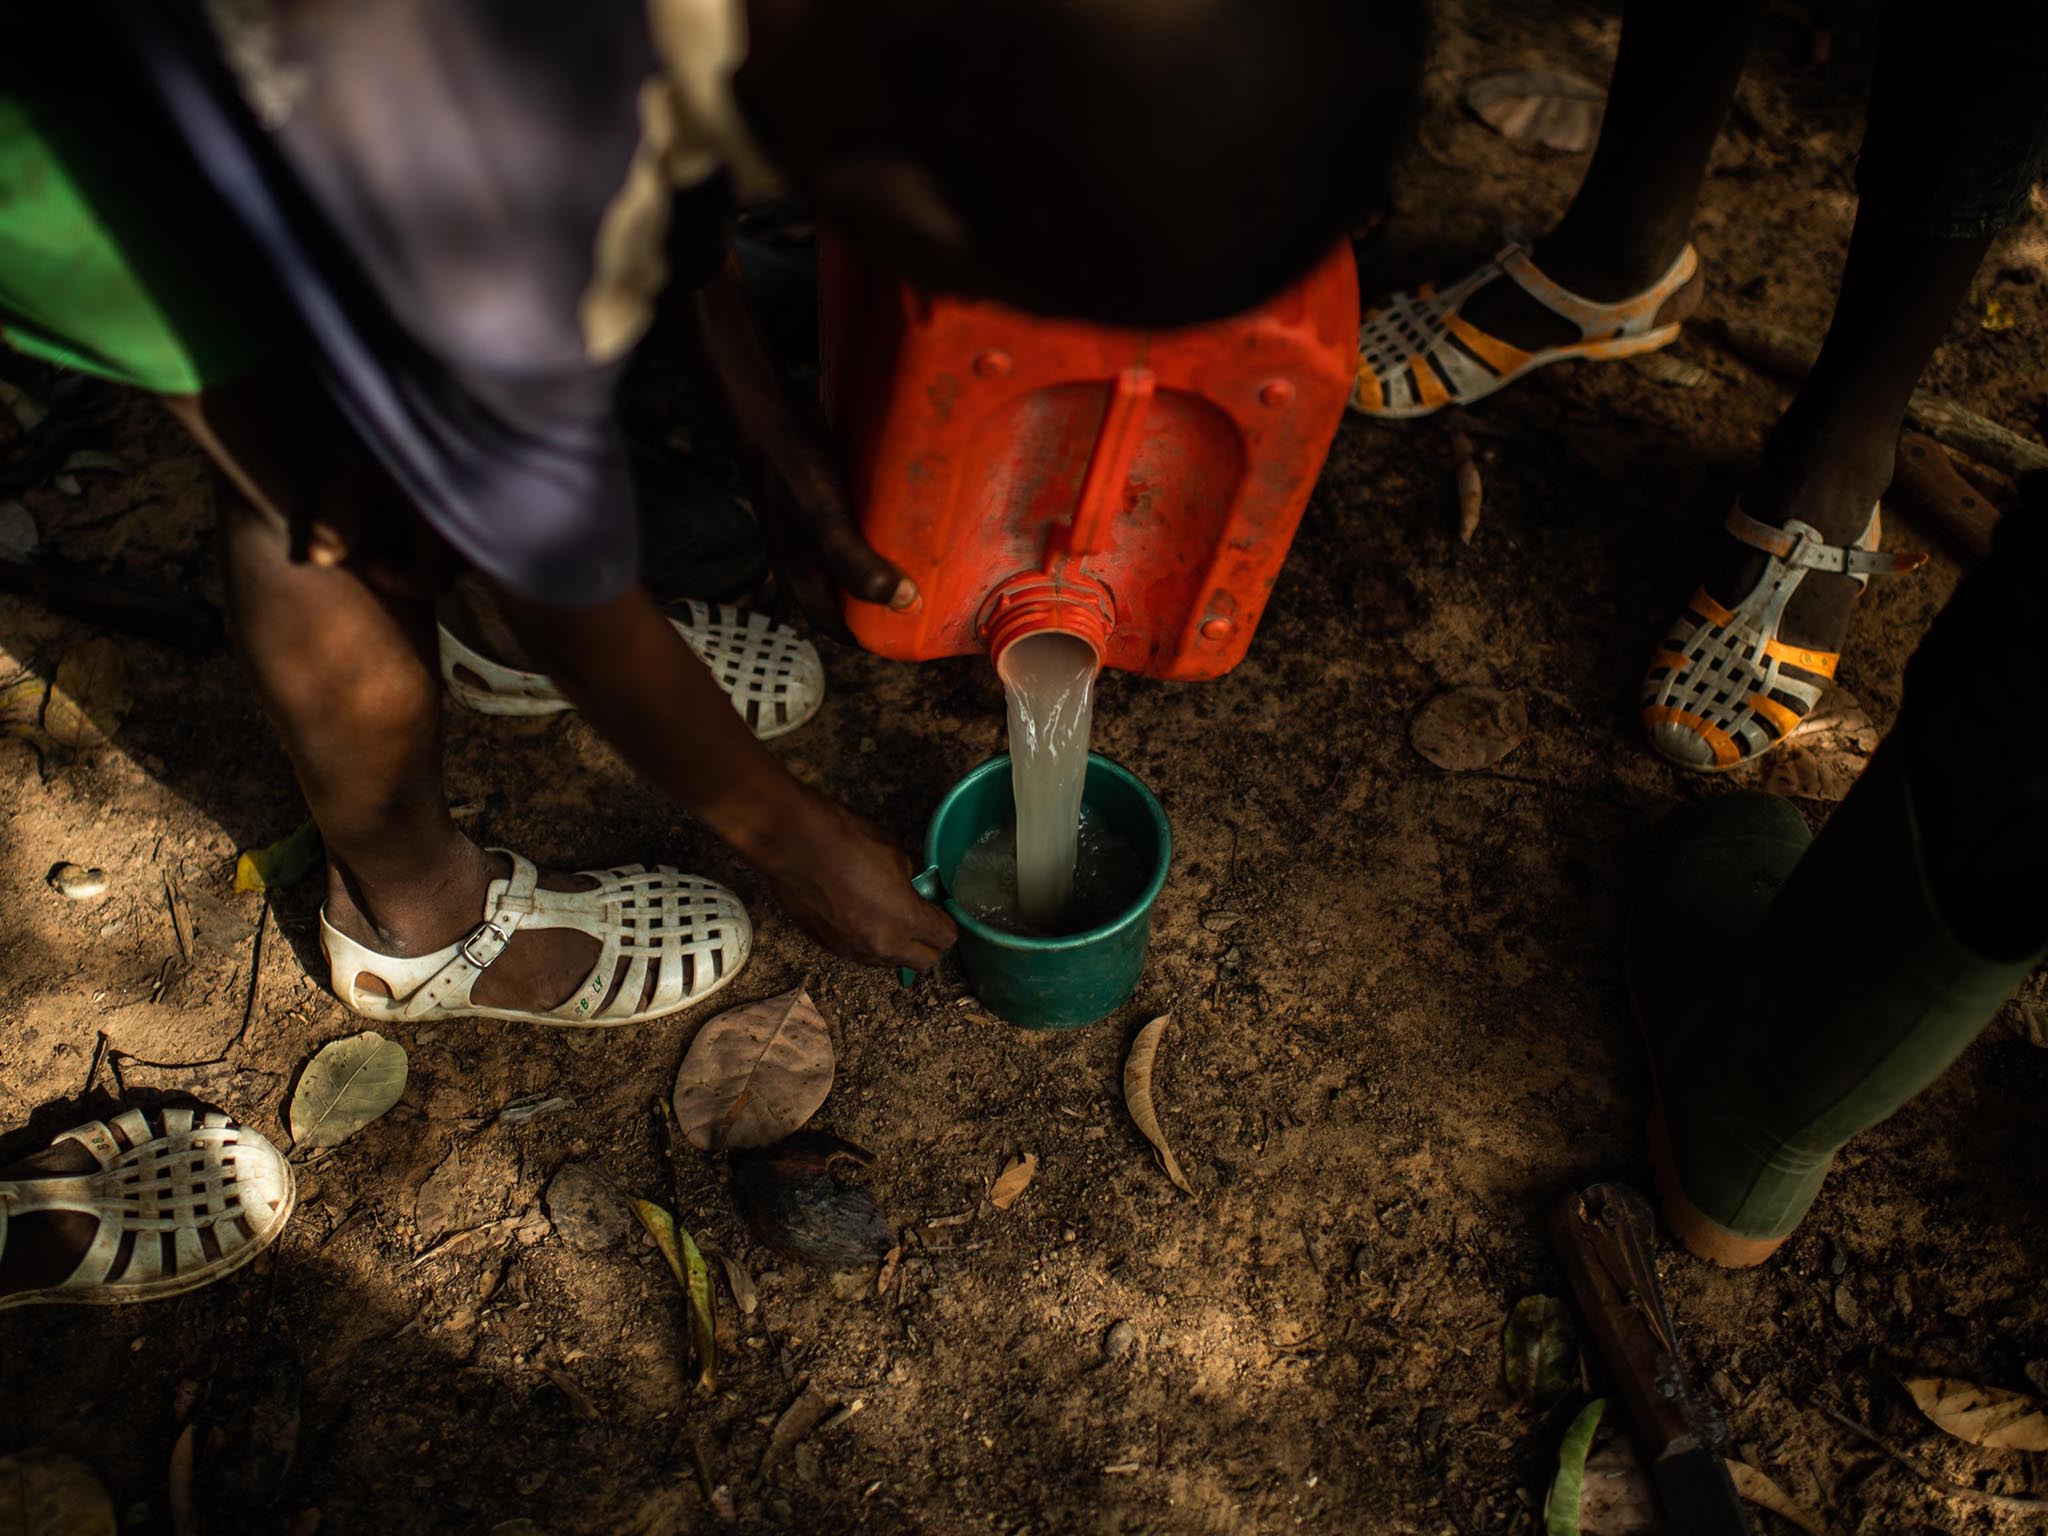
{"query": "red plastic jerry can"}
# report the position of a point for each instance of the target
(1138, 489)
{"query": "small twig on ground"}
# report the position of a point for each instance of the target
(1791, 357)
(255, 972)
(671, 1151)
(1471, 489)
(181, 919)
(92, 1071)
(1579, 790)
(248, 1007)
(570, 1388)
(700, 1455)
(1920, 1469)
(1964, 430)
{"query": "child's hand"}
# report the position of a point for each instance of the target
(813, 540)
(844, 882)
(849, 888)
(793, 468)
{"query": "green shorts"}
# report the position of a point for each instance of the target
(114, 257)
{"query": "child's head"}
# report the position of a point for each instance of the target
(1139, 161)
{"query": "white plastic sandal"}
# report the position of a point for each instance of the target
(770, 672)
(159, 1193)
(1418, 353)
(668, 940)
(1723, 689)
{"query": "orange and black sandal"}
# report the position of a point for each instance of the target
(1723, 689)
(1418, 353)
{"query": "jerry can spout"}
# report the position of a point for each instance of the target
(1033, 603)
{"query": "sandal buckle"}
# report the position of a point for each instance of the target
(482, 928)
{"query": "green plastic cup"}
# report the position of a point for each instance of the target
(1078, 978)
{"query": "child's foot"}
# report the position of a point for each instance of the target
(541, 968)
(1520, 311)
(143, 1205)
(1834, 493)
(1750, 657)
(1502, 309)
(43, 1247)
(498, 938)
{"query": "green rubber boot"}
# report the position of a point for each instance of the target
(1791, 998)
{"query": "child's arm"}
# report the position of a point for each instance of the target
(646, 693)
(799, 488)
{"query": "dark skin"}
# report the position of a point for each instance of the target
(341, 646)
(1831, 455)
(331, 586)
(800, 490)
(332, 581)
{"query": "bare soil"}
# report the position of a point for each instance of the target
(1398, 1025)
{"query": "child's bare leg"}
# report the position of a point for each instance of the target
(344, 662)
(1832, 453)
(1674, 78)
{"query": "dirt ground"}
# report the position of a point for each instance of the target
(1402, 1040)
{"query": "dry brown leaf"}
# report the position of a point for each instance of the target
(1138, 1098)
(435, 1202)
(1758, 1489)
(21, 705)
(1471, 488)
(1469, 728)
(891, 1261)
(88, 696)
(797, 1421)
(1800, 772)
(1013, 1181)
(1674, 371)
(17, 531)
(2034, 1025)
(738, 1281)
(1539, 106)
(1986, 1416)
(755, 1074)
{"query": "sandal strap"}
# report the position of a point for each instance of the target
(1417, 352)
(497, 689)
(665, 938)
(421, 985)
(98, 1140)
(1597, 319)
(1800, 544)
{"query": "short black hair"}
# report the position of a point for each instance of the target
(1157, 161)
(1136, 161)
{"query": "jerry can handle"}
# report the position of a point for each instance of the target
(927, 885)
